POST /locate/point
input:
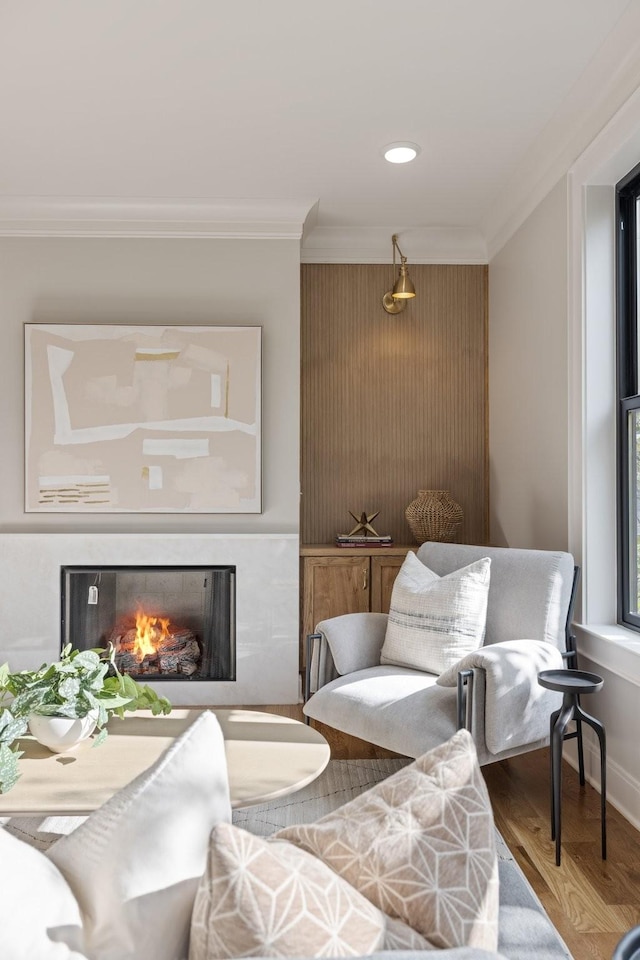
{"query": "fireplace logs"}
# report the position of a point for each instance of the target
(148, 645)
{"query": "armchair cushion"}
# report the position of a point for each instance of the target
(517, 708)
(399, 709)
(433, 620)
(529, 593)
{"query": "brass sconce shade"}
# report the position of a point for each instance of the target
(395, 300)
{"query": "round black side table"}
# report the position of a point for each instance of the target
(573, 683)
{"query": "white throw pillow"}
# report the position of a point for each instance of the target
(39, 916)
(135, 864)
(434, 621)
(266, 898)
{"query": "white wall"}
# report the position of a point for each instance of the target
(161, 281)
(528, 381)
(604, 646)
(552, 421)
(138, 281)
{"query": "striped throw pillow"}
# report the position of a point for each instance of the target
(434, 621)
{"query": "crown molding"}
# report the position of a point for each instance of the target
(239, 219)
(609, 80)
(373, 245)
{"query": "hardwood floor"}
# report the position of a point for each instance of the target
(591, 902)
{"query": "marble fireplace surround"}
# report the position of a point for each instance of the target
(267, 604)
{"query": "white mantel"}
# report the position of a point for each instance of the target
(267, 605)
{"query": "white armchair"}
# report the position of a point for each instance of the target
(493, 692)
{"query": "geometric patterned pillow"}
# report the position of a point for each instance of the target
(420, 845)
(434, 621)
(269, 898)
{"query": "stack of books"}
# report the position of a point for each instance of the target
(360, 540)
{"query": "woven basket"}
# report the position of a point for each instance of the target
(433, 515)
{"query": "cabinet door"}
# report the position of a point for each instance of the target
(384, 571)
(333, 586)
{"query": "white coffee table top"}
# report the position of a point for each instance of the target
(267, 756)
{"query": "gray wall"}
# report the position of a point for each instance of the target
(528, 399)
(157, 281)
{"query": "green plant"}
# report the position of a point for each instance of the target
(79, 683)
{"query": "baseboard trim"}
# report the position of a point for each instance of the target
(623, 791)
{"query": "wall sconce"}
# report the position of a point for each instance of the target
(395, 300)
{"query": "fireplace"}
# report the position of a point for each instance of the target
(165, 623)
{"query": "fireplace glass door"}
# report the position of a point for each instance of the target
(165, 623)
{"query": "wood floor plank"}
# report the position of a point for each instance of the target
(596, 946)
(624, 843)
(584, 906)
(615, 883)
(509, 803)
(532, 873)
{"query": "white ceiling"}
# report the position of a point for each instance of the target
(151, 102)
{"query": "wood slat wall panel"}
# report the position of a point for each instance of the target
(392, 404)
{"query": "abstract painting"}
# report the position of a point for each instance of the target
(143, 419)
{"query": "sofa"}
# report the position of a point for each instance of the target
(160, 873)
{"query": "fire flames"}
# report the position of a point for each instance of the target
(150, 631)
(153, 645)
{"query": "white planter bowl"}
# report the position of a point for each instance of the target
(60, 734)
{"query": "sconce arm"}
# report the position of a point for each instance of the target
(394, 240)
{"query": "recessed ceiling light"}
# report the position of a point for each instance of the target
(401, 152)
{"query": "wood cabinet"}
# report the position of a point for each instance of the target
(337, 580)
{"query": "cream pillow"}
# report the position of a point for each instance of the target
(420, 845)
(266, 898)
(434, 621)
(135, 864)
(39, 916)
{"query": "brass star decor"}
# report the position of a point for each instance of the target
(363, 525)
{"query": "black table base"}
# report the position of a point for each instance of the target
(573, 683)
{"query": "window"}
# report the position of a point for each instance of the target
(628, 219)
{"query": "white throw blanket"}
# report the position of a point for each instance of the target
(517, 707)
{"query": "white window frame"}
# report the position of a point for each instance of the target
(592, 387)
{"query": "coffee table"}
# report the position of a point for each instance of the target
(268, 756)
